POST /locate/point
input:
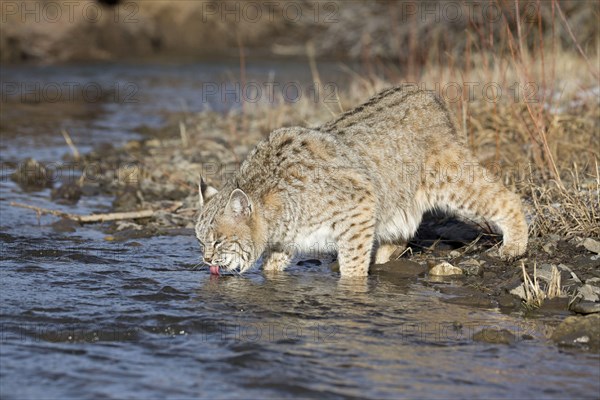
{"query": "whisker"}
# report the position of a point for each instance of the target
(200, 265)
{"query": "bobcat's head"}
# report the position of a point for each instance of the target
(225, 229)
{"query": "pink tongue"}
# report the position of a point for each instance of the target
(214, 270)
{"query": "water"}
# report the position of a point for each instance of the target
(86, 317)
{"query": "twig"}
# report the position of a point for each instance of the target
(183, 133)
(71, 144)
(587, 60)
(96, 217)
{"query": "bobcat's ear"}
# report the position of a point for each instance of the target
(239, 205)
(205, 193)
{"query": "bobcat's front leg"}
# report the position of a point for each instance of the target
(354, 249)
(276, 261)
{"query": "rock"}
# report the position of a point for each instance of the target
(554, 305)
(507, 301)
(400, 268)
(454, 254)
(65, 225)
(549, 248)
(567, 276)
(471, 267)
(551, 242)
(544, 272)
(477, 300)
(32, 176)
(519, 291)
(488, 275)
(592, 245)
(579, 331)
(573, 276)
(585, 307)
(589, 293)
(67, 193)
(494, 336)
(128, 198)
(445, 269)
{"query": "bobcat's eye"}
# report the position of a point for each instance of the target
(217, 243)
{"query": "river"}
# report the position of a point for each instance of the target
(82, 317)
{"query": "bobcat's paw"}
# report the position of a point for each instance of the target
(512, 251)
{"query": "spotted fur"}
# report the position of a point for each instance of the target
(358, 185)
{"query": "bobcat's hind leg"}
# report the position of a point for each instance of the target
(481, 194)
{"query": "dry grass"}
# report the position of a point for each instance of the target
(535, 294)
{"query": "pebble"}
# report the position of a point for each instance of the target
(454, 254)
(592, 245)
(549, 248)
(471, 267)
(445, 269)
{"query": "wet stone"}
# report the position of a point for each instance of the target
(579, 332)
(67, 193)
(494, 336)
(586, 307)
(477, 300)
(471, 267)
(65, 225)
(127, 199)
(556, 304)
(399, 268)
(32, 176)
(508, 301)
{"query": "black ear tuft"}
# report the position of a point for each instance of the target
(205, 192)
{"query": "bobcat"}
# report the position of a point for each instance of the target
(361, 182)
